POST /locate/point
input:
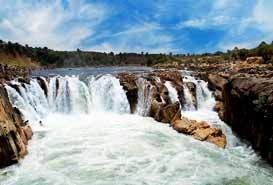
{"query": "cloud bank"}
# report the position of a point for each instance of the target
(134, 26)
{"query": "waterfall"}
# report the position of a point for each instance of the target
(204, 97)
(172, 92)
(144, 96)
(83, 142)
(108, 95)
(71, 95)
(68, 94)
(189, 104)
(204, 112)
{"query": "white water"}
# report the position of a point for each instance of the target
(172, 92)
(144, 96)
(105, 147)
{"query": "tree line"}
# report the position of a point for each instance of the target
(51, 58)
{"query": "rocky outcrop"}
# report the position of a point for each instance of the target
(163, 110)
(14, 133)
(200, 131)
(245, 102)
(128, 82)
(10, 72)
(168, 113)
(248, 109)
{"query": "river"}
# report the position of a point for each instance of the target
(88, 136)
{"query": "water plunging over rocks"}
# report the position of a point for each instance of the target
(14, 132)
(93, 132)
(163, 110)
(245, 102)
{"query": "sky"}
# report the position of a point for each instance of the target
(154, 26)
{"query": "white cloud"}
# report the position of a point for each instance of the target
(138, 38)
(50, 24)
(206, 22)
(263, 15)
(260, 20)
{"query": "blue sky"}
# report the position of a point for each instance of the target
(154, 26)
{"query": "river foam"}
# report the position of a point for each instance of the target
(88, 137)
(106, 148)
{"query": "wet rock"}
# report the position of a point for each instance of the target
(175, 78)
(168, 113)
(200, 131)
(128, 82)
(218, 95)
(24, 80)
(43, 85)
(15, 86)
(155, 107)
(14, 134)
(248, 109)
(218, 106)
(162, 109)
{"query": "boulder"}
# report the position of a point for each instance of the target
(216, 82)
(168, 113)
(200, 131)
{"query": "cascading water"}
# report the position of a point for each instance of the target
(89, 143)
(144, 96)
(69, 95)
(107, 94)
(172, 92)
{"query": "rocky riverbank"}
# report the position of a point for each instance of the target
(14, 132)
(163, 109)
(245, 102)
(244, 94)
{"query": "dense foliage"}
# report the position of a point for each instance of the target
(51, 58)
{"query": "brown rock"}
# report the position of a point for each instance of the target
(219, 106)
(13, 138)
(168, 113)
(128, 82)
(216, 82)
(255, 60)
(218, 95)
(248, 109)
(201, 131)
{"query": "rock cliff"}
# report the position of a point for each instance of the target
(14, 133)
(245, 102)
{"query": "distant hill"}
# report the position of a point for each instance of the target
(17, 54)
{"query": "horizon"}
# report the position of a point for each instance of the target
(177, 26)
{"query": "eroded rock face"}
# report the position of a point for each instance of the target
(128, 82)
(248, 109)
(216, 82)
(167, 114)
(165, 111)
(14, 133)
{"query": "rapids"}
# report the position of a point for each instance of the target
(89, 137)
